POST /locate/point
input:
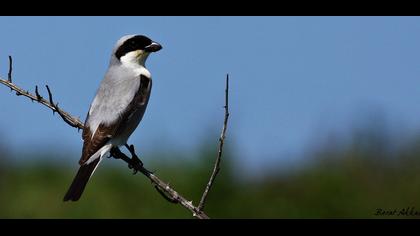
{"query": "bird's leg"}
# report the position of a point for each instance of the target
(117, 154)
(135, 160)
(133, 163)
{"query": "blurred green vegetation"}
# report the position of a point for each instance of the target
(349, 180)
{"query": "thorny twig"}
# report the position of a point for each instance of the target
(9, 75)
(216, 168)
(134, 163)
(69, 119)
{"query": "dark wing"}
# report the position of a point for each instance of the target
(105, 132)
(90, 146)
(102, 135)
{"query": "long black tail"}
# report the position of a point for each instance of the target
(80, 181)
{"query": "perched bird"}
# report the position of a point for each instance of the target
(117, 108)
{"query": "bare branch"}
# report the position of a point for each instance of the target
(50, 97)
(134, 162)
(9, 75)
(70, 120)
(74, 122)
(38, 97)
(163, 188)
(216, 168)
(168, 198)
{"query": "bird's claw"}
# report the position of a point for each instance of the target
(134, 169)
(136, 162)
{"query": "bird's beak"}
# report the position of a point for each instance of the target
(153, 47)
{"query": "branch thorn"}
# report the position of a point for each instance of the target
(9, 75)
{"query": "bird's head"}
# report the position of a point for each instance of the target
(135, 49)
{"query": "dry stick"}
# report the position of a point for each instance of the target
(9, 75)
(159, 184)
(74, 122)
(174, 196)
(216, 168)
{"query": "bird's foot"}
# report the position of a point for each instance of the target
(136, 163)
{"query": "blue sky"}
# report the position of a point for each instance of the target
(294, 80)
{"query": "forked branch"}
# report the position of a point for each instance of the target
(216, 168)
(164, 189)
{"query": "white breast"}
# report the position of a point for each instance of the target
(115, 93)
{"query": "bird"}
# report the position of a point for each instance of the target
(117, 108)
